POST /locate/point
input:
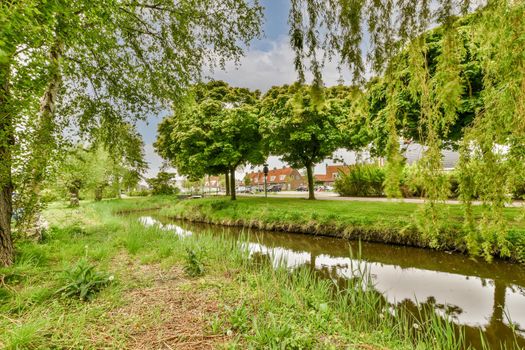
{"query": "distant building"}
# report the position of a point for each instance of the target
(415, 151)
(212, 183)
(288, 178)
(331, 174)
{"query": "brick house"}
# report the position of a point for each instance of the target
(288, 178)
(212, 183)
(332, 172)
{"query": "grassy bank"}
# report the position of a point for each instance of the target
(161, 291)
(388, 222)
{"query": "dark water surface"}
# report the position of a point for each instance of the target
(481, 297)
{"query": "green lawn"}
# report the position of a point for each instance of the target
(389, 222)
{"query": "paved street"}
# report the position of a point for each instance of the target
(335, 196)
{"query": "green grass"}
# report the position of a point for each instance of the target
(388, 222)
(245, 303)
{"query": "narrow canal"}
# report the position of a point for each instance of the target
(481, 297)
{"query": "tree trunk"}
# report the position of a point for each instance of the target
(232, 185)
(119, 195)
(42, 144)
(6, 185)
(74, 200)
(99, 190)
(227, 178)
(309, 172)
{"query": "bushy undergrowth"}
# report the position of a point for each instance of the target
(362, 180)
(83, 281)
(367, 180)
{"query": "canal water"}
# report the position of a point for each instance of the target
(481, 297)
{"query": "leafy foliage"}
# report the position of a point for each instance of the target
(362, 180)
(83, 281)
(163, 183)
(215, 132)
(95, 66)
(408, 102)
(194, 263)
(304, 129)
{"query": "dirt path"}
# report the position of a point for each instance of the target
(172, 312)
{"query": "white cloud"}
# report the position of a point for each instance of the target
(262, 69)
(153, 159)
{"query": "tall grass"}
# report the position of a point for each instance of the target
(297, 309)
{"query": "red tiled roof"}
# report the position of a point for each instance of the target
(323, 177)
(273, 172)
(330, 171)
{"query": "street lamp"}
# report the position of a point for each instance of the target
(265, 171)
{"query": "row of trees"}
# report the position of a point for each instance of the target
(220, 128)
(94, 171)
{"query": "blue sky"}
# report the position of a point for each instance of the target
(267, 62)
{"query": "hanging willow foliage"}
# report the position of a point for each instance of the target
(393, 46)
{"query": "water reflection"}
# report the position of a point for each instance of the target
(150, 221)
(479, 296)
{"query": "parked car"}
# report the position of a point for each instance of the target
(302, 189)
(243, 189)
(275, 188)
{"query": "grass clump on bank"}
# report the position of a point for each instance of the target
(386, 222)
(237, 301)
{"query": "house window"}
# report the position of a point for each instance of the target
(282, 177)
(272, 178)
(335, 175)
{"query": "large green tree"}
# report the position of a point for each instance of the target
(82, 169)
(163, 183)
(304, 128)
(92, 168)
(215, 132)
(408, 100)
(99, 63)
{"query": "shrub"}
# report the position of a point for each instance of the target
(194, 263)
(83, 281)
(518, 185)
(363, 180)
(454, 185)
(412, 182)
(163, 184)
(411, 185)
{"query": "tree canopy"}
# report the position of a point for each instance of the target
(215, 132)
(408, 107)
(95, 65)
(303, 130)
